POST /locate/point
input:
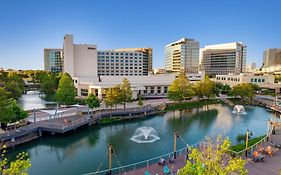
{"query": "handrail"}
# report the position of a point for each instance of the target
(143, 161)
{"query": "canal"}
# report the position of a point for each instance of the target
(85, 150)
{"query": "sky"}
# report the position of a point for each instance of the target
(29, 26)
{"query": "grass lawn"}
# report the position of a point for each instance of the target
(242, 146)
(110, 120)
(193, 104)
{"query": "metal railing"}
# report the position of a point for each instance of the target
(142, 164)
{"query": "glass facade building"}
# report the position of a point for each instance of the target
(53, 60)
(182, 55)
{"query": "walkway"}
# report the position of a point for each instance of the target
(271, 165)
(65, 124)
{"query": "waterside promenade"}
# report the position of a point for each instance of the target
(270, 166)
(68, 123)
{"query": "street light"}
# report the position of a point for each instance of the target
(248, 133)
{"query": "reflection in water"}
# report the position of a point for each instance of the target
(84, 150)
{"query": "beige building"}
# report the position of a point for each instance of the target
(84, 60)
(272, 61)
(147, 54)
(159, 71)
(222, 59)
(182, 55)
(151, 86)
(271, 57)
(264, 81)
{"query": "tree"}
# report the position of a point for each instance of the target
(112, 97)
(180, 89)
(49, 85)
(125, 92)
(244, 91)
(10, 111)
(66, 91)
(213, 158)
(226, 89)
(205, 88)
(92, 101)
(18, 166)
(140, 102)
(14, 88)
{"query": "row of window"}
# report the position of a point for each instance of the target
(257, 80)
(126, 61)
(121, 74)
(228, 79)
(122, 71)
(117, 57)
(155, 90)
(117, 53)
(117, 64)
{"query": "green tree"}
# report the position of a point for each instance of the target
(49, 84)
(205, 88)
(180, 89)
(18, 166)
(140, 101)
(213, 158)
(14, 88)
(66, 91)
(112, 97)
(125, 92)
(5, 106)
(226, 89)
(92, 101)
(10, 111)
(244, 91)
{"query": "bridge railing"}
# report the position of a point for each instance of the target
(142, 164)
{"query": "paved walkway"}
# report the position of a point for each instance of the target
(158, 169)
(271, 165)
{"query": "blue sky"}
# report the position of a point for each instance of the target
(28, 26)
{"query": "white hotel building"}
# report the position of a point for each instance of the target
(95, 71)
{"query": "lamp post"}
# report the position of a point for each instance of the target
(247, 140)
(110, 151)
(175, 144)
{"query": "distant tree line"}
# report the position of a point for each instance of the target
(181, 89)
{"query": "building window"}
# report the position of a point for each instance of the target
(165, 89)
(151, 90)
(262, 80)
(84, 92)
(159, 90)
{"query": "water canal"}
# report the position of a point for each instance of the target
(85, 149)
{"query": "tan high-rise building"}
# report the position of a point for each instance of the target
(147, 57)
(271, 57)
(223, 59)
(182, 55)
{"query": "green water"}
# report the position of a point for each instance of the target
(85, 149)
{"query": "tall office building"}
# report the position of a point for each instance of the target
(53, 60)
(182, 55)
(86, 61)
(147, 57)
(271, 57)
(222, 59)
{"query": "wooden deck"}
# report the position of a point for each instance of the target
(68, 123)
(271, 165)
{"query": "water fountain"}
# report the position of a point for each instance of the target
(145, 134)
(239, 109)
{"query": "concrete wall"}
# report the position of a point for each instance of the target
(68, 50)
(85, 60)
